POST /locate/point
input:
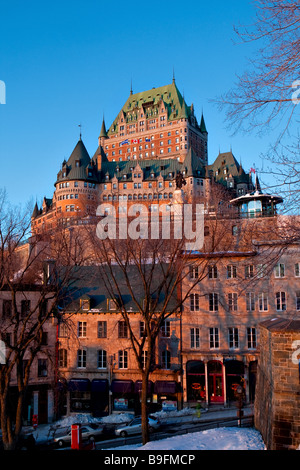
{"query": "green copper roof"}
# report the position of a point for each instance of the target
(169, 95)
(203, 126)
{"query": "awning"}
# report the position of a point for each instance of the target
(162, 386)
(99, 385)
(79, 385)
(138, 386)
(122, 386)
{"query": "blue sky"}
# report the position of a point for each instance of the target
(66, 63)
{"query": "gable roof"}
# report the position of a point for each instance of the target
(168, 95)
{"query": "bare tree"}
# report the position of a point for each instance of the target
(37, 270)
(264, 93)
(152, 272)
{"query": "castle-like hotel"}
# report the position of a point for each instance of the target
(155, 136)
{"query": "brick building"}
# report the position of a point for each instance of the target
(155, 136)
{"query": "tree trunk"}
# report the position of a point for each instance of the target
(144, 408)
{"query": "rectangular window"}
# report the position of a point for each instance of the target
(194, 272)
(166, 329)
(42, 368)
(214, 338)
(194, 302)
(122, 329)
(213, 302)
(102, 329)
(262, 271)
(102, 359)
(231, 271)
(250, 301)
(25, 308)
(7, 308)
(195, 338)
(212, 272)
(280, 301)
(233, 338)
(123, 359)
(279, 270)
(249, 271)
(251, 338)
(297, 269)
(63, 330)
(232, 301)
(263, 302)
(298, 300)
(81, 329)
(165, 359)
(81, 358)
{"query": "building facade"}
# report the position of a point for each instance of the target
(211, 345)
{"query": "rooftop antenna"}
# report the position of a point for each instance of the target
(173, 76)
(131, 92)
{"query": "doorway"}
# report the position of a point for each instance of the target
(215, 382)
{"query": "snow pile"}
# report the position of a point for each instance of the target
(175, 414)
(212, 439)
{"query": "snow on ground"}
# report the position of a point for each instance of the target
(212, 439)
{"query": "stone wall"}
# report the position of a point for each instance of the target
(277, 400)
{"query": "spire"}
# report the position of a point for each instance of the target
(35, 211)
(173, 81)
(80, 126)
(203, 126)
(131, 92)
(103, 132)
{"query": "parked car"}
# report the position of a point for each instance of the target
(88, 431)
(135, 426)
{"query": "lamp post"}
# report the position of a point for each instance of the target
(239, 391)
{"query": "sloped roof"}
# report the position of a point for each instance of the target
(156, 166)
(281, 324)
(77, 166)
(169, 94)
(90, 282)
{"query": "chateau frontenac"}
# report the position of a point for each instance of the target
(155, 136)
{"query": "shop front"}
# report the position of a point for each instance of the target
(123, 396)
(215, 382)
(138, 395)
(80, 395)
(235, 372)
(99, 397)
(165, 395)
(196, 381)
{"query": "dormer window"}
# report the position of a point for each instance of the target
(107, 177)
(85, 304)
(77, 163)
(112, 305)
